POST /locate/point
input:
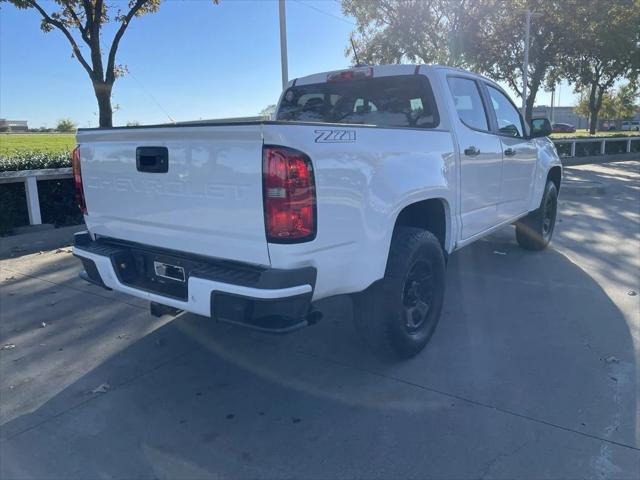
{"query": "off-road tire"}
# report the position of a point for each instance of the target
(534, 231)
(398, 314)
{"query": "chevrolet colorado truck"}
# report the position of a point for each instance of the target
(362, 184)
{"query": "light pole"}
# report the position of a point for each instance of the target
(283, 44)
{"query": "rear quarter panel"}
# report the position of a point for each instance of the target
(361, 185)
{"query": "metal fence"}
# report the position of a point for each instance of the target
(594, 147)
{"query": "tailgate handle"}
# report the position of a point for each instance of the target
(152, 159)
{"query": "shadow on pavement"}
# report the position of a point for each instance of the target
(531, 373)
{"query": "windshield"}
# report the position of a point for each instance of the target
(397, 101)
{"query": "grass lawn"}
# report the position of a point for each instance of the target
(36, 142)
(585, 134)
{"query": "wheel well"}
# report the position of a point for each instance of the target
(555, 175)
(427, 214)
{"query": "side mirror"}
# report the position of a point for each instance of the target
(540, 127)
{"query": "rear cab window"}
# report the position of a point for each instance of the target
(394, 101)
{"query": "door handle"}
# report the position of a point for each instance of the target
(471, 151)
(152, 159)
(509, 152)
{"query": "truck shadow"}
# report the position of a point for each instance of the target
(523, 336)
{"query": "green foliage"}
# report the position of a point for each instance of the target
(604, 48)
(17, 143)
(57, 204)
(424, 31)
(57, 197)
(496, 47)
(576, 39)
(66, 125)
(34, 161)
(617, 105)
(627, 101)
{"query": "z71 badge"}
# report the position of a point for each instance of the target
(335, 136)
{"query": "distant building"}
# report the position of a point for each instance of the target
(13, 125)
(561, 115)
(567, 115)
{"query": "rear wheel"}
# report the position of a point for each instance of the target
(398, 314)
(534, 231)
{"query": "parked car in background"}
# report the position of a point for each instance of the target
(563, 128)
(364, 184)
(630, 125)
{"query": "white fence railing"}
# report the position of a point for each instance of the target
(602, 141)
(30, 179)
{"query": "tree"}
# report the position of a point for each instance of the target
(426, 31)
(66, 125)
(606, 48)
(82, 21)
(619, 106)
(268, 110)
(626, 101)
(485, 35)
(496, 46)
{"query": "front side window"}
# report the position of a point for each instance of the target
(509, 122)
(468, 102)
(397, 101)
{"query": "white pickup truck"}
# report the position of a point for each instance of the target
(363, 184)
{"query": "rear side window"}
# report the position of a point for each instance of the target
(398, 101)
(468, 102)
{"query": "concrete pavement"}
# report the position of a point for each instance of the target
(532, 373)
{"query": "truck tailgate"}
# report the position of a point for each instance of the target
(207, 202)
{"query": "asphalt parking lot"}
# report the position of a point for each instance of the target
(532, 373)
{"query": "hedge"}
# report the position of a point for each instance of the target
(35, 161)
(57, 197)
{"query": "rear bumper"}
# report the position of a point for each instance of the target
(263, 298)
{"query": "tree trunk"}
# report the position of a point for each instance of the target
(103, 96)
(528, 107)
(593, 121)
(593, 109)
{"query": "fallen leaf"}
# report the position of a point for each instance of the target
(102, 388)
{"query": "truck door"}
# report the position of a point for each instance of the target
(480, 158)
(519, 156)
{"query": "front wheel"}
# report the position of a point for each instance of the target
(534, 231)
(398, 314)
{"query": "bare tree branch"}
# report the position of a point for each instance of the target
(110, 76)
(72, 13)
(60, 26)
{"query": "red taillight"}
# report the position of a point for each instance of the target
(77, 179)
(289, 195)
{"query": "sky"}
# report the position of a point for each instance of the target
(191, 60)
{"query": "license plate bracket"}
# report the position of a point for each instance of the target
(167, 270)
